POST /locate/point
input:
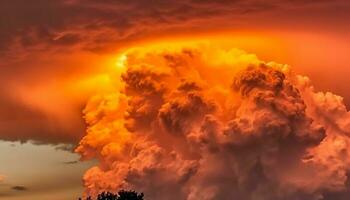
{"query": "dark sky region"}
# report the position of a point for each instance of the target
(54, 55)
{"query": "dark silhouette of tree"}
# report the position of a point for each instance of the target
(129, 195)
(107, 196)
(121, 195)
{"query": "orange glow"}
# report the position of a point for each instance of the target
(176, 100)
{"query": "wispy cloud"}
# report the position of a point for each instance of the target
(19, 188)
(71, 162)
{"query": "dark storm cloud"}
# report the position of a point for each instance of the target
(68, 22)
(30, 21)
(68, 39)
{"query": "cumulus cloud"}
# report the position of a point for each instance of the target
(38, 41)
(201, 122)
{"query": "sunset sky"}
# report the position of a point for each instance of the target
(55, 55)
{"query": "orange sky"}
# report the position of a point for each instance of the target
(40, 85)
(55, 54)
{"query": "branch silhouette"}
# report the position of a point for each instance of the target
(121, 195)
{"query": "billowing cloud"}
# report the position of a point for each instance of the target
(203, 122)
(43, 43)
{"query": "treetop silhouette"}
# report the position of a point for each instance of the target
(121, 195)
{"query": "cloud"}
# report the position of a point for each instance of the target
(19, 188)
(201, 122)
(43, 44)
(71, 162)
(95, 25)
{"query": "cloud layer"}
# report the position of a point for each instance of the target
(96, 26)
(203, 122)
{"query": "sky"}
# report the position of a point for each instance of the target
(39, 172)
(57, 54)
